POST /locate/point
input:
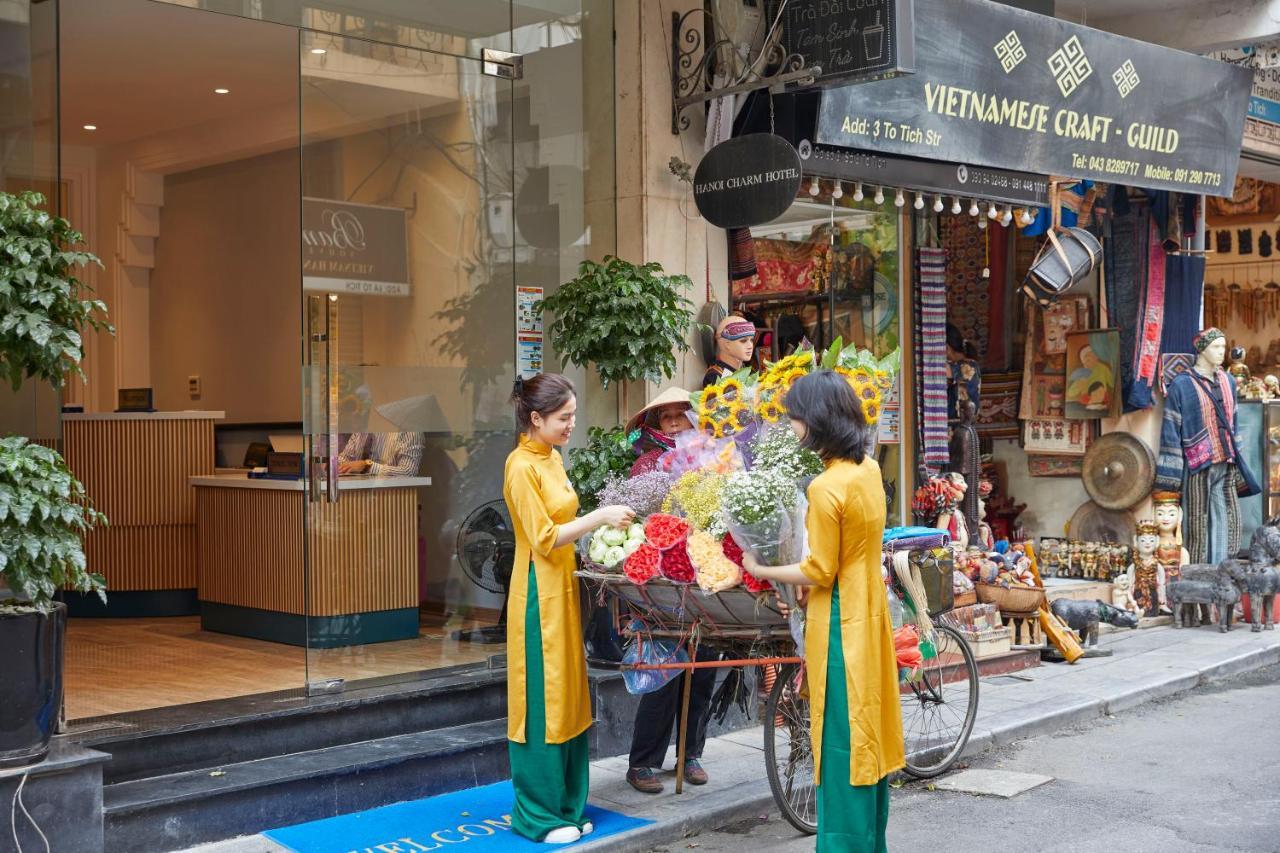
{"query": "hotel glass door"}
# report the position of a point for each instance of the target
(408, 298)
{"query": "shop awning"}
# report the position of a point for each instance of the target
(1000, 87)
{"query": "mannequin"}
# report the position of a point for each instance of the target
(1199, 458)
(1146, 575)
(735, 343)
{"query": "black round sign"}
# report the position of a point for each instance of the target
(748, 180)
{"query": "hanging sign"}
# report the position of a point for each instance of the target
(748, 180)
(849, 40)
(1262, 125)
(354, 248)
(999, 86)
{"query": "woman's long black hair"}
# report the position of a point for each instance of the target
(829, 409)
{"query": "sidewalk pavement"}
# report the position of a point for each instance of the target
(1146, 666)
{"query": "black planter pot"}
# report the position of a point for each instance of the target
(31, 647)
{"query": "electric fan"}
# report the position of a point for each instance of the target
(486, 550)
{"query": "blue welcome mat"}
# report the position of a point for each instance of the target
(481, 817)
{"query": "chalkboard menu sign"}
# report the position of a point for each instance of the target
(850, 40)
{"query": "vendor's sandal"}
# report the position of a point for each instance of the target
(644, 780)
(693, 772)
(562, 835)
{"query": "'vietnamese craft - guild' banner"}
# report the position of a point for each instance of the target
(998, 86)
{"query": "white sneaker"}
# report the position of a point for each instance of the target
(562, 835)
(588, 828)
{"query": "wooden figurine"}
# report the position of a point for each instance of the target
(1146, 575)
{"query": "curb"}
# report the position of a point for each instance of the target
(746, 801)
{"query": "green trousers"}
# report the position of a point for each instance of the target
(550, 779)
(851, 818)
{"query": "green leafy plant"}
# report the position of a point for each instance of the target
(608, 454)
(44, 313)
(628, 320)
(43, 514)
(44, 309)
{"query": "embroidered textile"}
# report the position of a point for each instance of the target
(932, 355)
(998, 409)
(1183, 298)
(1198, 431)
(1146, 358)
(1200, 500)
(967, 290)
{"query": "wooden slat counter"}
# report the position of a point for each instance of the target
(136, 467)
(363, 551)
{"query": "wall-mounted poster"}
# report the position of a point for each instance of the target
(1056, 436)
(1093, 374)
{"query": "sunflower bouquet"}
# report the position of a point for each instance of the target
(777, 379)
(726, 408)
(869, 377)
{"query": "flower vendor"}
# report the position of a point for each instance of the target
(655, 428)
(856, 718)
(548, 704)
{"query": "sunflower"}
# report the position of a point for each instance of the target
(862, 376)
(772, 412)
(739, 417)
(803, 357)
(868, 392)
(884, 379)
(870, 411)
(731, 389)
(793, 374)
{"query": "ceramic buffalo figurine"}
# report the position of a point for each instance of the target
(1219, 585)
(1261, 583)
(1083, 617)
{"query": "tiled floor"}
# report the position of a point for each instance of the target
(119, 665)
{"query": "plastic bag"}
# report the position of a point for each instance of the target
(697, 451)
(646, 650)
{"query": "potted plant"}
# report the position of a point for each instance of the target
(44, 511)
(629, 320)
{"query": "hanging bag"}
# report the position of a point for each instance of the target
(1067, 256)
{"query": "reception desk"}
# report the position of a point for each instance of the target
(136, 468)
(362, 550)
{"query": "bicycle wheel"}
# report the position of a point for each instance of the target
(940, 707)
(788, 750)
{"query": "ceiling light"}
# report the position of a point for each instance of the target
(899, 200)
(937, 204)
(221, 91)
(838, 190)
(973, 208)
(90, 127)
(857, 192)
(814, 187)
(955, 206)
(879, 197)
(1008, 216)
(919, 202)
(992, 212)
(319, 51)
(982, 222)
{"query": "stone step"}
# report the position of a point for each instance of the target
(206, 735)
(180, 810)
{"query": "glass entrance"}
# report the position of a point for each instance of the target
(408, 289)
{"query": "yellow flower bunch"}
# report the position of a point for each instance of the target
(715, 571)
(866, 389)
(696, 495)
(724, 409)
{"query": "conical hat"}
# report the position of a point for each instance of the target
(668, 397)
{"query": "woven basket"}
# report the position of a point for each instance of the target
(964, 599)
(1018, 599)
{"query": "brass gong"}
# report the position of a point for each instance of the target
(1119, 471)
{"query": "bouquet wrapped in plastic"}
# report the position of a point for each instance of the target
(764, 511)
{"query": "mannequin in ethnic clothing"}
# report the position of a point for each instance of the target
(1198, 452)
(735, 343)
(1146, 575)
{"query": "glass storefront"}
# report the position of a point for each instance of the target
(313, 235)
(828, 268)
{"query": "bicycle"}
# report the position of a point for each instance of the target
(934, 730)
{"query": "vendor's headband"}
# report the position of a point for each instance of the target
(738, 331)
(1208, 336)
